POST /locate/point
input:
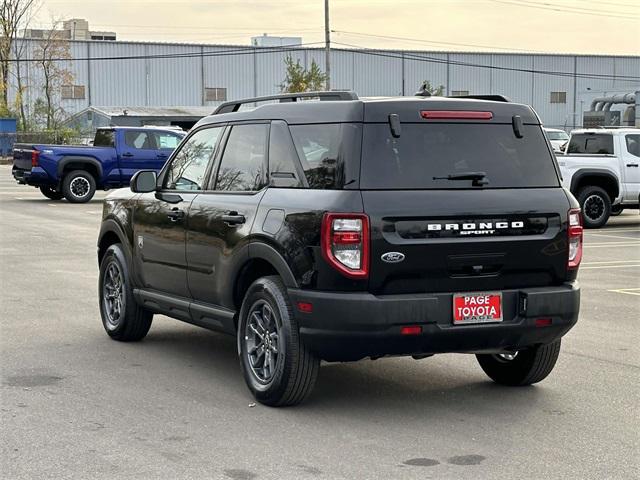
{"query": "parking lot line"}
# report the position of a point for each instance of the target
(606, 235)
(612, 244)
(627, 291)
(611, 266)
(608, 262)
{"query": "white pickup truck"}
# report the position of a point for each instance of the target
(601, 167)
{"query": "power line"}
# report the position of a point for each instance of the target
(580, 10)
(353, 49)
(427, 59)
(475, 45)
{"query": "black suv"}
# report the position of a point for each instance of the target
(339, 228)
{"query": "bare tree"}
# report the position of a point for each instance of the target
(14, 14)
(50, 54)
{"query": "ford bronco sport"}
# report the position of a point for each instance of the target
(346, 228)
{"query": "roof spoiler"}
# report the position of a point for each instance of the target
(234, 106)
(493, 98)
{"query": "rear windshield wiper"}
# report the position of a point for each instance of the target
(477, 177)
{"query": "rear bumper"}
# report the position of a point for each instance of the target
(36, 176)
(350, 326)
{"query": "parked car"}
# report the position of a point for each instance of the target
(601, 167)
(351, 228)
(557, 138)
(75, 172)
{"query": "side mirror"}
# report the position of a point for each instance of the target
(144, 181)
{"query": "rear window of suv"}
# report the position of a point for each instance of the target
(425, 151)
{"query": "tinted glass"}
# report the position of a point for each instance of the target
(633, 144)
(243, 161)
(326, 151)
(167, 140)
(139, 140)
(600, 143)
(104, 138)
(437, 150)
(282, 157)
(189, 166)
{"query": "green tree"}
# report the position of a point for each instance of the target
(299, 79)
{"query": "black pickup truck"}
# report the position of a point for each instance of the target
(345, 228)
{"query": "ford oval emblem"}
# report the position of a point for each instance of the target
(392, 257)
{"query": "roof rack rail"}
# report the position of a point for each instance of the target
(234, 105)
(493, 98)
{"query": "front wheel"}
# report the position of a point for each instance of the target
(278, 368)
(123, 319)
(51, 193)
(78, 186)
(616, 210)
(523, 367)
(596, 206)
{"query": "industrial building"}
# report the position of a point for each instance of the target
(136, 74)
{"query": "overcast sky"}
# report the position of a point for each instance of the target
(556, 26)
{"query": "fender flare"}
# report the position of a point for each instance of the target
(268, 253)
(595, 172)
(64, 161)
(111, 226)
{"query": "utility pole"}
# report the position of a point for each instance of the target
(327, 45)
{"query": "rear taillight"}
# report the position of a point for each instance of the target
(575, 238)
(35, 156)
(345, 243)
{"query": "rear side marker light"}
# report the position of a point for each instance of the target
(455, 115)
(543, 322)
(411, 330)
(345, 243)
(575, 239)
(305, 307)
(35, 157)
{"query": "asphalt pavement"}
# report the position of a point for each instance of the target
(75, 404)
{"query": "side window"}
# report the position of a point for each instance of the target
(189, 166)
(282, 157)
(167, 140)
(600, 144)
(318, 147)
(139, 140)
(242, 165)
(633, 144)
(104, 138)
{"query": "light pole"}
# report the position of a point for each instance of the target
(327, 45)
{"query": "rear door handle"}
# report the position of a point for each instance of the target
(632, 164)
(162, 155)
(127, 154)
(175, 215)
(233, 218)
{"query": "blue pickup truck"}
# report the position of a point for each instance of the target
(75, 172)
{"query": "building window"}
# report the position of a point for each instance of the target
(459, 93)
(215, 94)
(558, 97)
(72, 92)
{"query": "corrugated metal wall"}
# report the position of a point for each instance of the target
(247, 71)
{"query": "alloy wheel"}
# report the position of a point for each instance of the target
(594, 207)
(80, 187)
(113, 294)
(262, 341)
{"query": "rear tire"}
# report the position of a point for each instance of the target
(596, 206)
(278, 368)
(50, 193)
(527, 367)
(78, 186)
(122, 318)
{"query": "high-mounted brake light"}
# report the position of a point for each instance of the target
(345, 243)
(455, 115)
(575, 239)
(35, 157)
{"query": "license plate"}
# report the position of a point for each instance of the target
(477, 307)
